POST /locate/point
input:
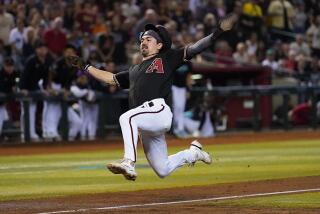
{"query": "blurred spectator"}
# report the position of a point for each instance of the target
(106, 47)
(281, 14)
(289, 63)
(223, 53)
(69, 17)
(180, 14)
(7, 86)
(302, 69)
(120, 36)
(39, 24)
(87, 47)
(314, 32)
(86, 18)
(37, 68)
(7, 23)
(252, 44)
(63, 78)
(130, 9)
(16, 41)
(30, 39)
(270, 61)
(96, 59)
(164, 12)
(315, 72)
(100, 26)
(2, 52)
(199, 121)
(209, 22)
(150, 16)
(181, 83)
(300, 18)
(251, 18)
(281, 112)
(300, 114)
(88, 107)
(299, 46)
(56, 38)
(241, 56)
(197, 8)
(219, 8)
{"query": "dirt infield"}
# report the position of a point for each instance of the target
(90, 203)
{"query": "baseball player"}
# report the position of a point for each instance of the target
(88, 107)
(36, 69)
(181, 82)
(8, 75)
(149, 86)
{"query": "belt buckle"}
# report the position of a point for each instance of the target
(150, 104)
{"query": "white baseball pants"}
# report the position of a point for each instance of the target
(179, 97)
(32, 119)
(3, 116)
(89, 114)
(152, 119)
(75, 123)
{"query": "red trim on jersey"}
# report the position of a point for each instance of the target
(156, 66)
(132, 138)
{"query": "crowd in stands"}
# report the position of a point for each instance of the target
(36, 36)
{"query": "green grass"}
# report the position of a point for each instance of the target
(305, 200)
(39, 176)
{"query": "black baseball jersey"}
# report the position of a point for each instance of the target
(34, 71)
(152, 78)
(64, 74)
(7, 81)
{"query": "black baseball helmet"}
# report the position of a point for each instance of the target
(162, 32)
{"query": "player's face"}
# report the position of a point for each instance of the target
(149, 46)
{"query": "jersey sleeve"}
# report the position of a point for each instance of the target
(176, 57)
(122, 79)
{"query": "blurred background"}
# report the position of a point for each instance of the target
(262, 75)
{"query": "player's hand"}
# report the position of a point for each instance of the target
(227, 22)
(76, 62)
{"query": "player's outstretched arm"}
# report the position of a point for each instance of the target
(103, 76)
(225, 24)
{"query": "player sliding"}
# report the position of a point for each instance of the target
(149, 85)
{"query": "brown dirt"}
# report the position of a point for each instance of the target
(164, 195)
(167, 195)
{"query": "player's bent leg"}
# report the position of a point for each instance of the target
(156, 152)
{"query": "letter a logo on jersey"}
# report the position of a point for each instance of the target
(156, 66)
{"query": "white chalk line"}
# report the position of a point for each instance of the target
(185, 201)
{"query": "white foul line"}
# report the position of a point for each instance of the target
(186, 201)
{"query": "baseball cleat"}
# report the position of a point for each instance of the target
(125, 167)
(199, 154)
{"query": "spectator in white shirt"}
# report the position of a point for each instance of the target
(270, 61)
(300, 46)
(241, 56)
(16, 37)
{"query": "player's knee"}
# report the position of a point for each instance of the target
(162, 173)
(123, 118)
